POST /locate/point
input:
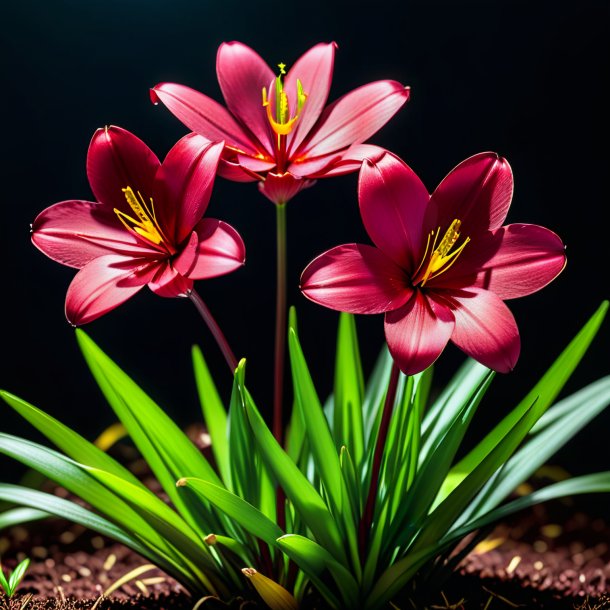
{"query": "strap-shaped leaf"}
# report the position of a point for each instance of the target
(308, 503)
(214, 413)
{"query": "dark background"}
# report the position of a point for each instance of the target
(525, 79)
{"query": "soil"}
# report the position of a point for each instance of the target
(553, 556)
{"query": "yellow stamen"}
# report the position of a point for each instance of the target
(282, 123)
(145, 224)
(442, 258)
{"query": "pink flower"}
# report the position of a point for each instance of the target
(147, 228)
(442, 265)
(277, 129)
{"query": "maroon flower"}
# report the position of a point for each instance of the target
(146, 229)
(443, 263)
(277, 129)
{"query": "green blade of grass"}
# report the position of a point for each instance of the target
(575, 412)
(321, 444)
(214, 413)
(248, 516)
(17, 574)
(308, 503)
(71, 443)
(18, 516)
(167, 450)
(541, 395)
(314, 559)
(348, 427)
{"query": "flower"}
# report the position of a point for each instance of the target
(276, 128)
(146, 229)
(442, 265)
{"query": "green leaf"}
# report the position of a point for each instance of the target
(167, 450)
(375, 394)
(244, 479)
(3, 582)
(17, 516)
(321, 443)
(348, 390)
(17, 574)
(71, 443)
(214, 413)
(314, 559)
(308, 503)
(591, 483)
(566, 419)
(541, 396)
(249, 517)
(65, 509)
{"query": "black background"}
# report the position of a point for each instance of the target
(525, 79)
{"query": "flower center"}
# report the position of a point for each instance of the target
(145, 223)
(282, 123)
(437, 259)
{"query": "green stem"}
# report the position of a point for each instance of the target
(369, 508)
(280, 323)
(211, 323)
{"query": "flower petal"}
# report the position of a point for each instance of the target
(355, 117)
(183, 185)
(219, 250)
(513, 261)
(355, 278)
(242, 74)
(393, 203)
(227, 168)
(281, 188)
(118, 159)
(350, 160)
(314, 69)
(418, 332)
(478, 192)
(204, 116)
(73, 233)
(484, 328)
(167, 282)
(104, 284)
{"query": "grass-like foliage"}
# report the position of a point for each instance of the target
(340, 535)
(9, 583)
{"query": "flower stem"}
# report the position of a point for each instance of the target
(369, 508)
(223, 344)
(280, 323)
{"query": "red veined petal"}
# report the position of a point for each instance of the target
(418, 332)
(105, 283)
(184, 183)
(478, 192)
(117, 159)
(254, 164)
(355, 278)
(354, 118)
(235, 172)
(351, 160)
(513, 261)
(281, 188)
(73, 233)
(167, 282)
(219, 250)
(315, 71)
(393, 203)
(242, 74)
(204, 116)
(485, 329)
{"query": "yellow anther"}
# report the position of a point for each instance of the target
(282, 67)
(441, 258)
(145, 224)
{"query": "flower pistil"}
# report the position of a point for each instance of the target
(441, 258)
(283, 123)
